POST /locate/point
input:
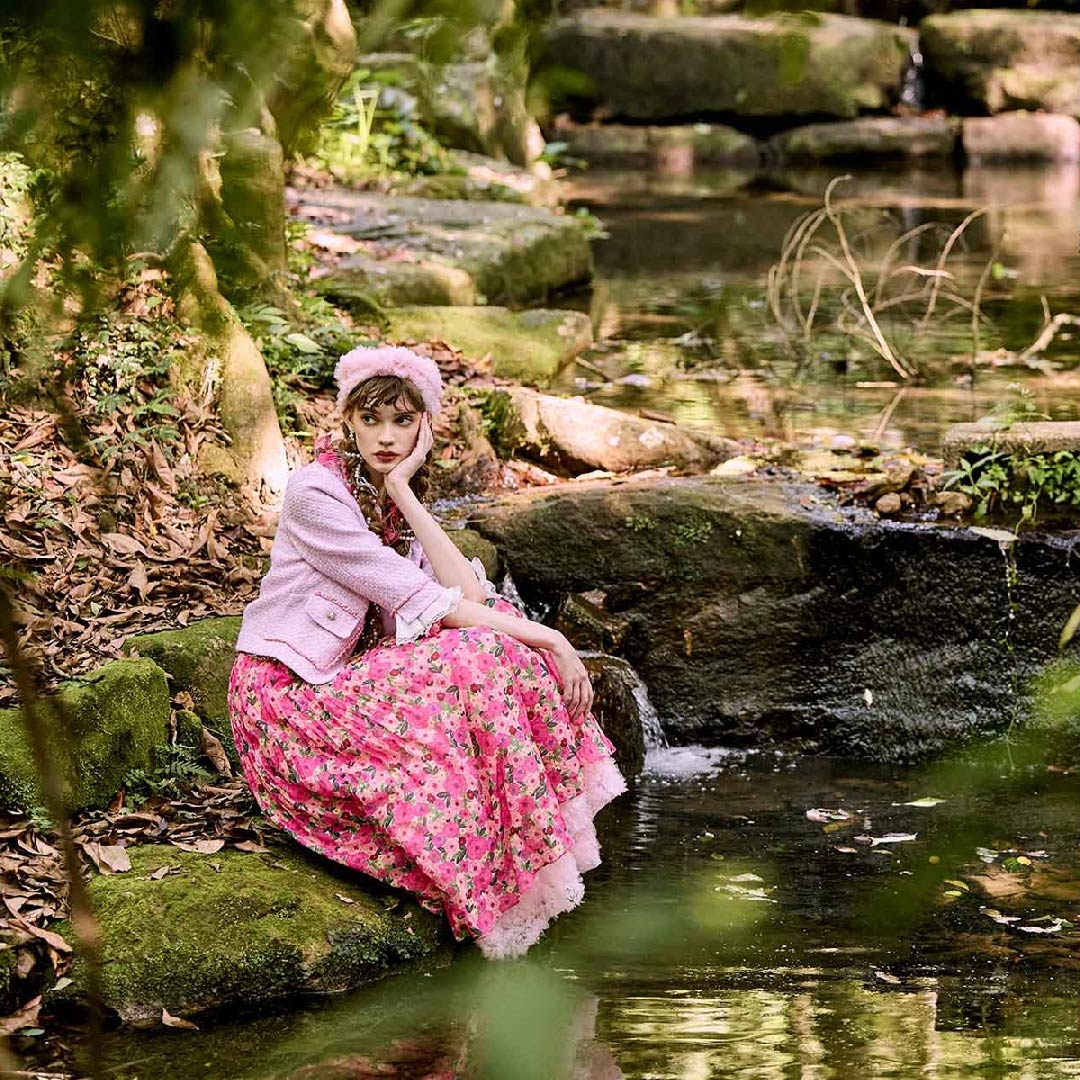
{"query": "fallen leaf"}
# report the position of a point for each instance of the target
(202, 847)
(820, 814)
(177, 1022)
(212, 748)
(345, 899)
(251, 847)
(885, 977)
(922, 803)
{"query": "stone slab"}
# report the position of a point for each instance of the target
(1021, 136)
(1046, 437)
(677, 148)
(645, 67)
(909, 138)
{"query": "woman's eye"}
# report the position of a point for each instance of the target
(405, 419)
(367, 418)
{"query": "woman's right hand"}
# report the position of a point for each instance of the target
(577, 690)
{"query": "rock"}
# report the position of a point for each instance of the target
(527, 346)
(588, 626)
(1022, 439)
(650, 68)
(1021, 136)
(952, 503)
(319, 62)
(668, 149)
(757, 607)
(992, 60)
(255, 931)
(618, 711)
(485, 178)
(453, 251)
(573, 435)
(888, 505)
(910, 138)
(473, 546)
(117, 716)
(198, 659)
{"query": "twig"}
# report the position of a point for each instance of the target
(856, 280)
(884, 273)
(944, 257)
(1048, 333)
(886, 416)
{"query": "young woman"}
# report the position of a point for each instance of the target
(393, 714)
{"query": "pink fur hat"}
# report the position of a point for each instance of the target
(364, 362)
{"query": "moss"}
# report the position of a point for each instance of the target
(114, 719)
(473, 546)
(198, 659)
(252, 930)
(528, 346)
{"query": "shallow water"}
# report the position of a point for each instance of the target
(727, 935)
(680, 301)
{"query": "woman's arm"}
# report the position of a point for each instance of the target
(576, 688)
(450, 566)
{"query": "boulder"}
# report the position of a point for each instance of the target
(454, 251)
(908, 138)
(760, 613)
(473, 546)
(618, 709)
(678, 148)
(111, 722)
(528, 346)
(197, 658)
(1021, 439)
(233, 929)
(574, 436)
(1021, 136)
(642, 67)
(987, 61)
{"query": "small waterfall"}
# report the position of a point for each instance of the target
(652, 733)
(912, 90)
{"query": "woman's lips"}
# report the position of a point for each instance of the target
(386, 456)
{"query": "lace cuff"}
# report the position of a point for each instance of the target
(411, 629)
(490, 592)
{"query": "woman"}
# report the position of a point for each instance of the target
(389, 711)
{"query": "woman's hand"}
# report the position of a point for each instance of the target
(576, 689)
(400, 475)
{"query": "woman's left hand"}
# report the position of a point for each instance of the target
(405, 469)
(577, 690)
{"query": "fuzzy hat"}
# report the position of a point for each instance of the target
(364, 362)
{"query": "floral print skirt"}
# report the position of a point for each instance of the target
(448, 767)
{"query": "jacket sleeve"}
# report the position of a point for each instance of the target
(328, 531)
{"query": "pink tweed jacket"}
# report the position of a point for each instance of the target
(326, 567)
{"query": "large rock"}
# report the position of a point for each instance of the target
(453, 251)
(617, 707)
(197, 658)
(648, 68)
(528, 346)
(674, 149)
(111, 722)
(987, 61)
(575, 436)
(233, 929)
(760, 613)
(910, 138)
(1021, 136)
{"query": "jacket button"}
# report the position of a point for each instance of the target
(331, 615)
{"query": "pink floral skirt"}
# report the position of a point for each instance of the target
(448, 767)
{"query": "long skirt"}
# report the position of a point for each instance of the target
(448, 767)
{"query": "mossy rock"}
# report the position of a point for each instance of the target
(112, 722)
(198, 659)
(616, 708)
(473, 546)
(528, 346)
(232, 929)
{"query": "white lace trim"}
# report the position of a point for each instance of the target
(407, 630)
(490, 592)
(557, 887)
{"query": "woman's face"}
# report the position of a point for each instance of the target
(385, 434)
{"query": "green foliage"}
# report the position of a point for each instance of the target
(176, 769)
(300, 350)
(374, 131)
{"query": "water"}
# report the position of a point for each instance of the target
(728, 935)
(681, 308)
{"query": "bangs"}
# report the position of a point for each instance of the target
(384, 390)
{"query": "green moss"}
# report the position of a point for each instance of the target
(473, 546)
(255, 929)
(198, 659)
(112, 721)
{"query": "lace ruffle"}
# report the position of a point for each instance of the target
(557, 887)
(407, 630)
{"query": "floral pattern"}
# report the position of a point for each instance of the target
(448, 766)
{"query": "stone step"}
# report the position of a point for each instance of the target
(1020, 440)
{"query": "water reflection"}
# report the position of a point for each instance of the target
(681, 301)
